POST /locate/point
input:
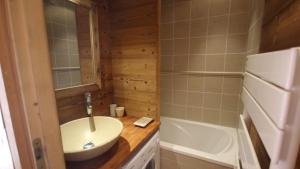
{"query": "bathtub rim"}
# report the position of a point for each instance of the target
(198, 123)
(208, 157)
(219, 158)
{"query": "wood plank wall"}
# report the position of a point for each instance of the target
(73, 107)
(135, 55)
(261, 152)
(281, 30)
(281, 25)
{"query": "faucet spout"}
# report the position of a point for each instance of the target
(89, 110)
(92, 124)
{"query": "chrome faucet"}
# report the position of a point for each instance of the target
(89, 110)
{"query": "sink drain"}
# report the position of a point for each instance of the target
(88, 145)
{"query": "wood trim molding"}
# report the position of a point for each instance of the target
(158, 60)
(71, 104)
(23, 152)
(95, 54)
(74, 91)
(33, 74)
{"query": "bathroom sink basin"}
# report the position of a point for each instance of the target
(79, 143)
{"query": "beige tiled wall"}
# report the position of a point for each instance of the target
(172, 160)
(203, 35)
(63, 45)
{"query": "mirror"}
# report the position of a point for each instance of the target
(71, 32)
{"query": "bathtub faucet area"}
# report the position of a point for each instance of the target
(202, 143)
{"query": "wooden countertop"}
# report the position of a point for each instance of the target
(130, 141)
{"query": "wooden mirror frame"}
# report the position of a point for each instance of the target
(95, 51)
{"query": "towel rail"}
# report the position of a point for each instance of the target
(65, 68)
(206, 73)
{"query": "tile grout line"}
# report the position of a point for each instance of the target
(204, 59)
(173, 58)
(186, 78)
(188, 59)
(213, 35)
(225, 56)
(201, 18)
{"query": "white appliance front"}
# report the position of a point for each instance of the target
(147, 157)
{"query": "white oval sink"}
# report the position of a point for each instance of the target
(79, 143)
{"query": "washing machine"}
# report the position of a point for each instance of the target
(147, 157)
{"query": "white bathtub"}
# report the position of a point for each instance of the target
(212, 143)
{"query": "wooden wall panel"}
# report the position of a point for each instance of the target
(135, 55)
(73, 106)
(273, 7)
(298, 161)
(136, 36)
(281, 30)
(116, 5)
(262, 155)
